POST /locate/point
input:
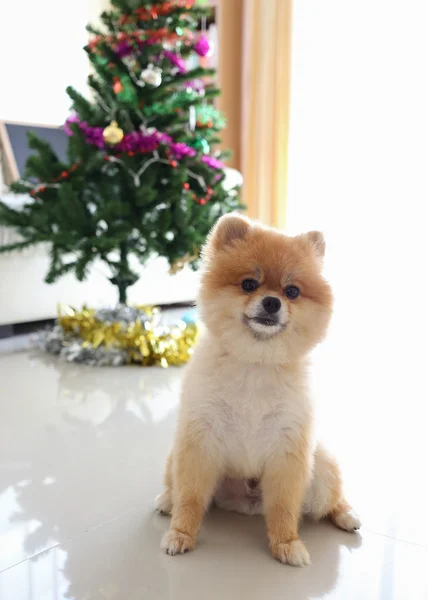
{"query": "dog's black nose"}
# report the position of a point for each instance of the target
(271, 304)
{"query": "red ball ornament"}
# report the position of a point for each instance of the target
(174, 163)
(203, 201)
(186, 186)
(117, 85)
(64, 174)
(42, 188)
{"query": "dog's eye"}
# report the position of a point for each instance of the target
(250, 285)
(292, 292)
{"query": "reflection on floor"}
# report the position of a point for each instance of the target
(82, 452)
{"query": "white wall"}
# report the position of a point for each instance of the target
(359, 122)
(40, 54)
(359, 139)
(359, 172)
(24, 272)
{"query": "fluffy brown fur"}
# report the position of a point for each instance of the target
(245, 411)
(248, 250)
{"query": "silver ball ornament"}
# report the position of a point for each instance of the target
(152, 75)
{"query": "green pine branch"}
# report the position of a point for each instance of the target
(16, 246)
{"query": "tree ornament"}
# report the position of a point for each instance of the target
(117, 85)
(201, 145)
(113, 134)
(203, 46)
(151, 75)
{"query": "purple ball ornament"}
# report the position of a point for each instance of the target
(203, 46)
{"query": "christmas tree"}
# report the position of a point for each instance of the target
(142, 175)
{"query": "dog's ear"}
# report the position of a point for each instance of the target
(317, 241)
(228, 228)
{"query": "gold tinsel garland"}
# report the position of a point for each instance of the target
(143, 339)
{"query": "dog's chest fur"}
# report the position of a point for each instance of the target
(246, 411)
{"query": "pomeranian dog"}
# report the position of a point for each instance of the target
(244, 436)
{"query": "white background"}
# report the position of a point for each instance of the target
(359, 171)
(359, 120)
(359, 142)
(40, 54)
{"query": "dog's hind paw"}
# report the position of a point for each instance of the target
(163, 503)
(345, 518)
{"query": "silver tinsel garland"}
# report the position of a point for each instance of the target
(65, 345)
(119, 336)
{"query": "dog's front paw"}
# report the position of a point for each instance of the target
(291, 553)
(176, 542)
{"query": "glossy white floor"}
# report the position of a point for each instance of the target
(82, 453)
